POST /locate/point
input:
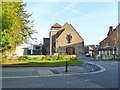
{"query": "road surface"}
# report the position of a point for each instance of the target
(32, 79)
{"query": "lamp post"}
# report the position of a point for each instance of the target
(51, 42)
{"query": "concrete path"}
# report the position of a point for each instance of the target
(22, 72)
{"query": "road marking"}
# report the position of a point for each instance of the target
(102, 70)
(87, 80)
(90, 67)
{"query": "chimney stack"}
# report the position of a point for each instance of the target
(111, 28)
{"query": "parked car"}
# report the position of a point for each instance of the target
(88, 55)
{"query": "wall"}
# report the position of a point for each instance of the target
(76, 41)
(118, 44)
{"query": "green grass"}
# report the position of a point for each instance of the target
(46, 63)
(42, 61)
(116, 60)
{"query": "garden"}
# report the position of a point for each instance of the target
(41, 60)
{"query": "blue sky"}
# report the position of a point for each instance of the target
(90, 19)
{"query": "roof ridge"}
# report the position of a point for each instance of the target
(56, 25)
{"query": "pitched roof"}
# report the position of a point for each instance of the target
(76, 32)
(104, 39)
(58, 33)
(56, 25)
(65, 27)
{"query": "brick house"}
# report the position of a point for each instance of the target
(65, 39)
(111, 44)
(111, 39)
(118, 40)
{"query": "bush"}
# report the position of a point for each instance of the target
(4, 58)
(59, 57)
(73, 58)
(24, 58)
(49, 58)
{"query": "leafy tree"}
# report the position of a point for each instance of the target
(16, 27)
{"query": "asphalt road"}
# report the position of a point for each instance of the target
(105, 79)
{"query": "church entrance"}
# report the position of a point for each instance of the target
(70, 50)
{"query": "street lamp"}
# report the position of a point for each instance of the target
(51, 42)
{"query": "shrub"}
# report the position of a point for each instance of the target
(49, 58)
(24, 58)
(73, 57)
(4, 58)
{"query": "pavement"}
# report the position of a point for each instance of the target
(18, 72)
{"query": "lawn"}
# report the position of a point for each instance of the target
(43, 62)
(116, 60)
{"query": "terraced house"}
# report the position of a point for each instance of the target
(64, 39)
(118, 39)
(111, 44)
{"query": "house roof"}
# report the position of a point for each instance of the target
(58, 33)
(56, 25)
(77, 32)
(104, 40)
(106, 49)
(63, 28)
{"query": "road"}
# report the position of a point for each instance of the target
(105, 79)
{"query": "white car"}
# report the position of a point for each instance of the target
(88, 55)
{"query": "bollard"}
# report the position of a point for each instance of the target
(66, 67)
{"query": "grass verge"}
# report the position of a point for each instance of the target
(115, 60)
(45, 63)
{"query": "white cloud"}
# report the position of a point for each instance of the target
(74, 10)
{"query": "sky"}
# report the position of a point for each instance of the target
(90, 19)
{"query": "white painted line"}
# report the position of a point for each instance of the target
(92, 69)
(87, 80)
(102, 70)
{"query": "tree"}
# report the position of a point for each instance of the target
(16, 27)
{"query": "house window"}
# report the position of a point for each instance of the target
(37, 47)
(107, 44)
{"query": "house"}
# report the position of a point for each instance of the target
(118, 40)
(21, 50)
(46, 44)
(33, 49)
(65, 39)
(91, 49)
(111, 44)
